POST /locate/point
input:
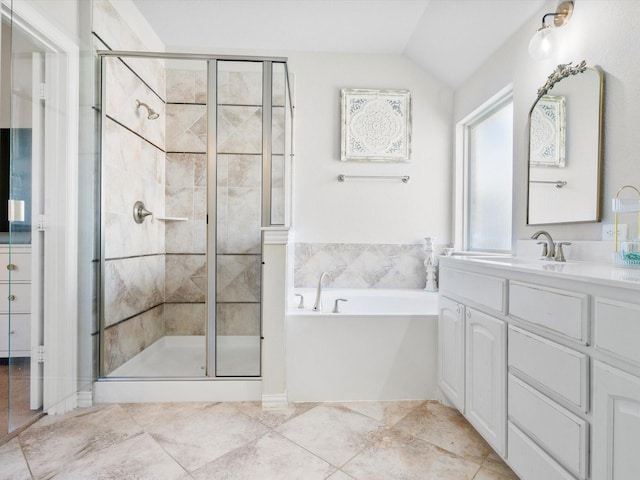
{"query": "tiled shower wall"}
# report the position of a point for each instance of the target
(239, 200)
(133, 169)
(359, 265)
(186, 197)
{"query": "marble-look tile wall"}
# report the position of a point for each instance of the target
(133, 169)
(116, 32)
(186, 196)
(126, 339)
(353, 265)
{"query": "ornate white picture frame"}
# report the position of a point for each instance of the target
(548, 126)
(376, 125)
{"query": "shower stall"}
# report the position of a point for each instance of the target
(195, 164)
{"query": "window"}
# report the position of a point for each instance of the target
(484, 177)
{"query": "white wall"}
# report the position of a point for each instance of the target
(368, 211)
(64, 14)
(602, 32)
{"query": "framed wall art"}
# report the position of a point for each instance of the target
(376, 125)
(547, 134)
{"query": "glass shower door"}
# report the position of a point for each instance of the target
(238, 200)
(21, 142)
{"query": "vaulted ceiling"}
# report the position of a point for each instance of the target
(448, 38)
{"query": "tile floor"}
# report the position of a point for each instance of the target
(233, 441)
(15, 383)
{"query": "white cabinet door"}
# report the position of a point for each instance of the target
(616, 424)
(451, 351)
(485, 385)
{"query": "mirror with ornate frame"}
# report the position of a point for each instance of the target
(565, 147)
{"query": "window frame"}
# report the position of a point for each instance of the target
(461, 170)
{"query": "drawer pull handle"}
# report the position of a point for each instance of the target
(12, 298)
(11, 266)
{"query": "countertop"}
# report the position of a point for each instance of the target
(599, 273)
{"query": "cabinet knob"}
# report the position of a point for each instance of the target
(11, 266)
(11, 298)
(12, 332)
(457, 308)
(468, 313)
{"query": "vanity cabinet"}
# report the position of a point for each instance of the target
(549, 380)
(472, 351)
(485, 365)
(17, 299)
(552, 365)
(451, 357)
(616, 423)
(616, 393)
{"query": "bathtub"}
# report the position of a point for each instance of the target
(381, 346)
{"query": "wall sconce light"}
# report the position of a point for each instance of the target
(540, 44)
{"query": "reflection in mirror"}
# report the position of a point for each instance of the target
(565, 147)
(547, 132)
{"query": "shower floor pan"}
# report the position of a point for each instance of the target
(185, 356)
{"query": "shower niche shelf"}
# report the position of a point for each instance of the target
(171, 219)
(140, 212)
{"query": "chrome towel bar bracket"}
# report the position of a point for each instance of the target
(404, 178)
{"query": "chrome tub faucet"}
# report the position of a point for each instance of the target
(317, 306)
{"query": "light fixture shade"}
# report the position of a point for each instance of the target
(540, 43)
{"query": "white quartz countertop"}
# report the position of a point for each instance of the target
(600, 273)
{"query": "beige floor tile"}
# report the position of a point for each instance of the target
(493, 465)
(393, 454)
(139, 458)
(447, 428)
(12, 461)
(388, 413)
(487, 474)
(199, 439)
(340, 475)
(53, 443)
(271, 457)
(333, 433)
(149, 414)
(235, 441)
(273, 418)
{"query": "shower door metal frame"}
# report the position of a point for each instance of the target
(212, 62)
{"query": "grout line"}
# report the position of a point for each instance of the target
(24, 455)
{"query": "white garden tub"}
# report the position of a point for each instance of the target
(381, 346)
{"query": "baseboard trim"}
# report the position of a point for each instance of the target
(278, 401)
(85, 399)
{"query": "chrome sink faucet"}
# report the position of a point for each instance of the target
(317, 306)
(549, 252)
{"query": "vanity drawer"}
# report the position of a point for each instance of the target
(481, 289)
(20, 265)
(555, 429)
(19, 333)
(615, 323)
(559, 311)
(529, 461)
(21, 294)
(554, 367)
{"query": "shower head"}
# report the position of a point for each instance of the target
(151, 113)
